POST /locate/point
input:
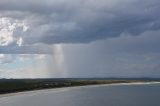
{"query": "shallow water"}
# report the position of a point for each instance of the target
(119, 95)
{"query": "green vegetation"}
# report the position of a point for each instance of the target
(18, 85)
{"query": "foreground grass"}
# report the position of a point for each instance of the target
(19, 85)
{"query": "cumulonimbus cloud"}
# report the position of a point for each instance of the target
(69, 21)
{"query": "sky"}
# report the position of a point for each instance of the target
(79, 38)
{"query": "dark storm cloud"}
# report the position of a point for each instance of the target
(83, 21)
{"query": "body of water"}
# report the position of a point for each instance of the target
(114, 95)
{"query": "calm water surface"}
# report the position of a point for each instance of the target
(121, 95)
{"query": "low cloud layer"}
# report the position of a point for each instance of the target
(39, 49)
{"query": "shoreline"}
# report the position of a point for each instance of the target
(62, 89)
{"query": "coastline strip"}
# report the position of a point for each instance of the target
(57, 90)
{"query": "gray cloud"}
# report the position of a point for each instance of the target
(80, 21)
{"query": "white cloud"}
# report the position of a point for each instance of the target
(5, 59)
(19, 42)
(11, 31)
(11, 58)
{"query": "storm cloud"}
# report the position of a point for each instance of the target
(52, 22)
(101, 38)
